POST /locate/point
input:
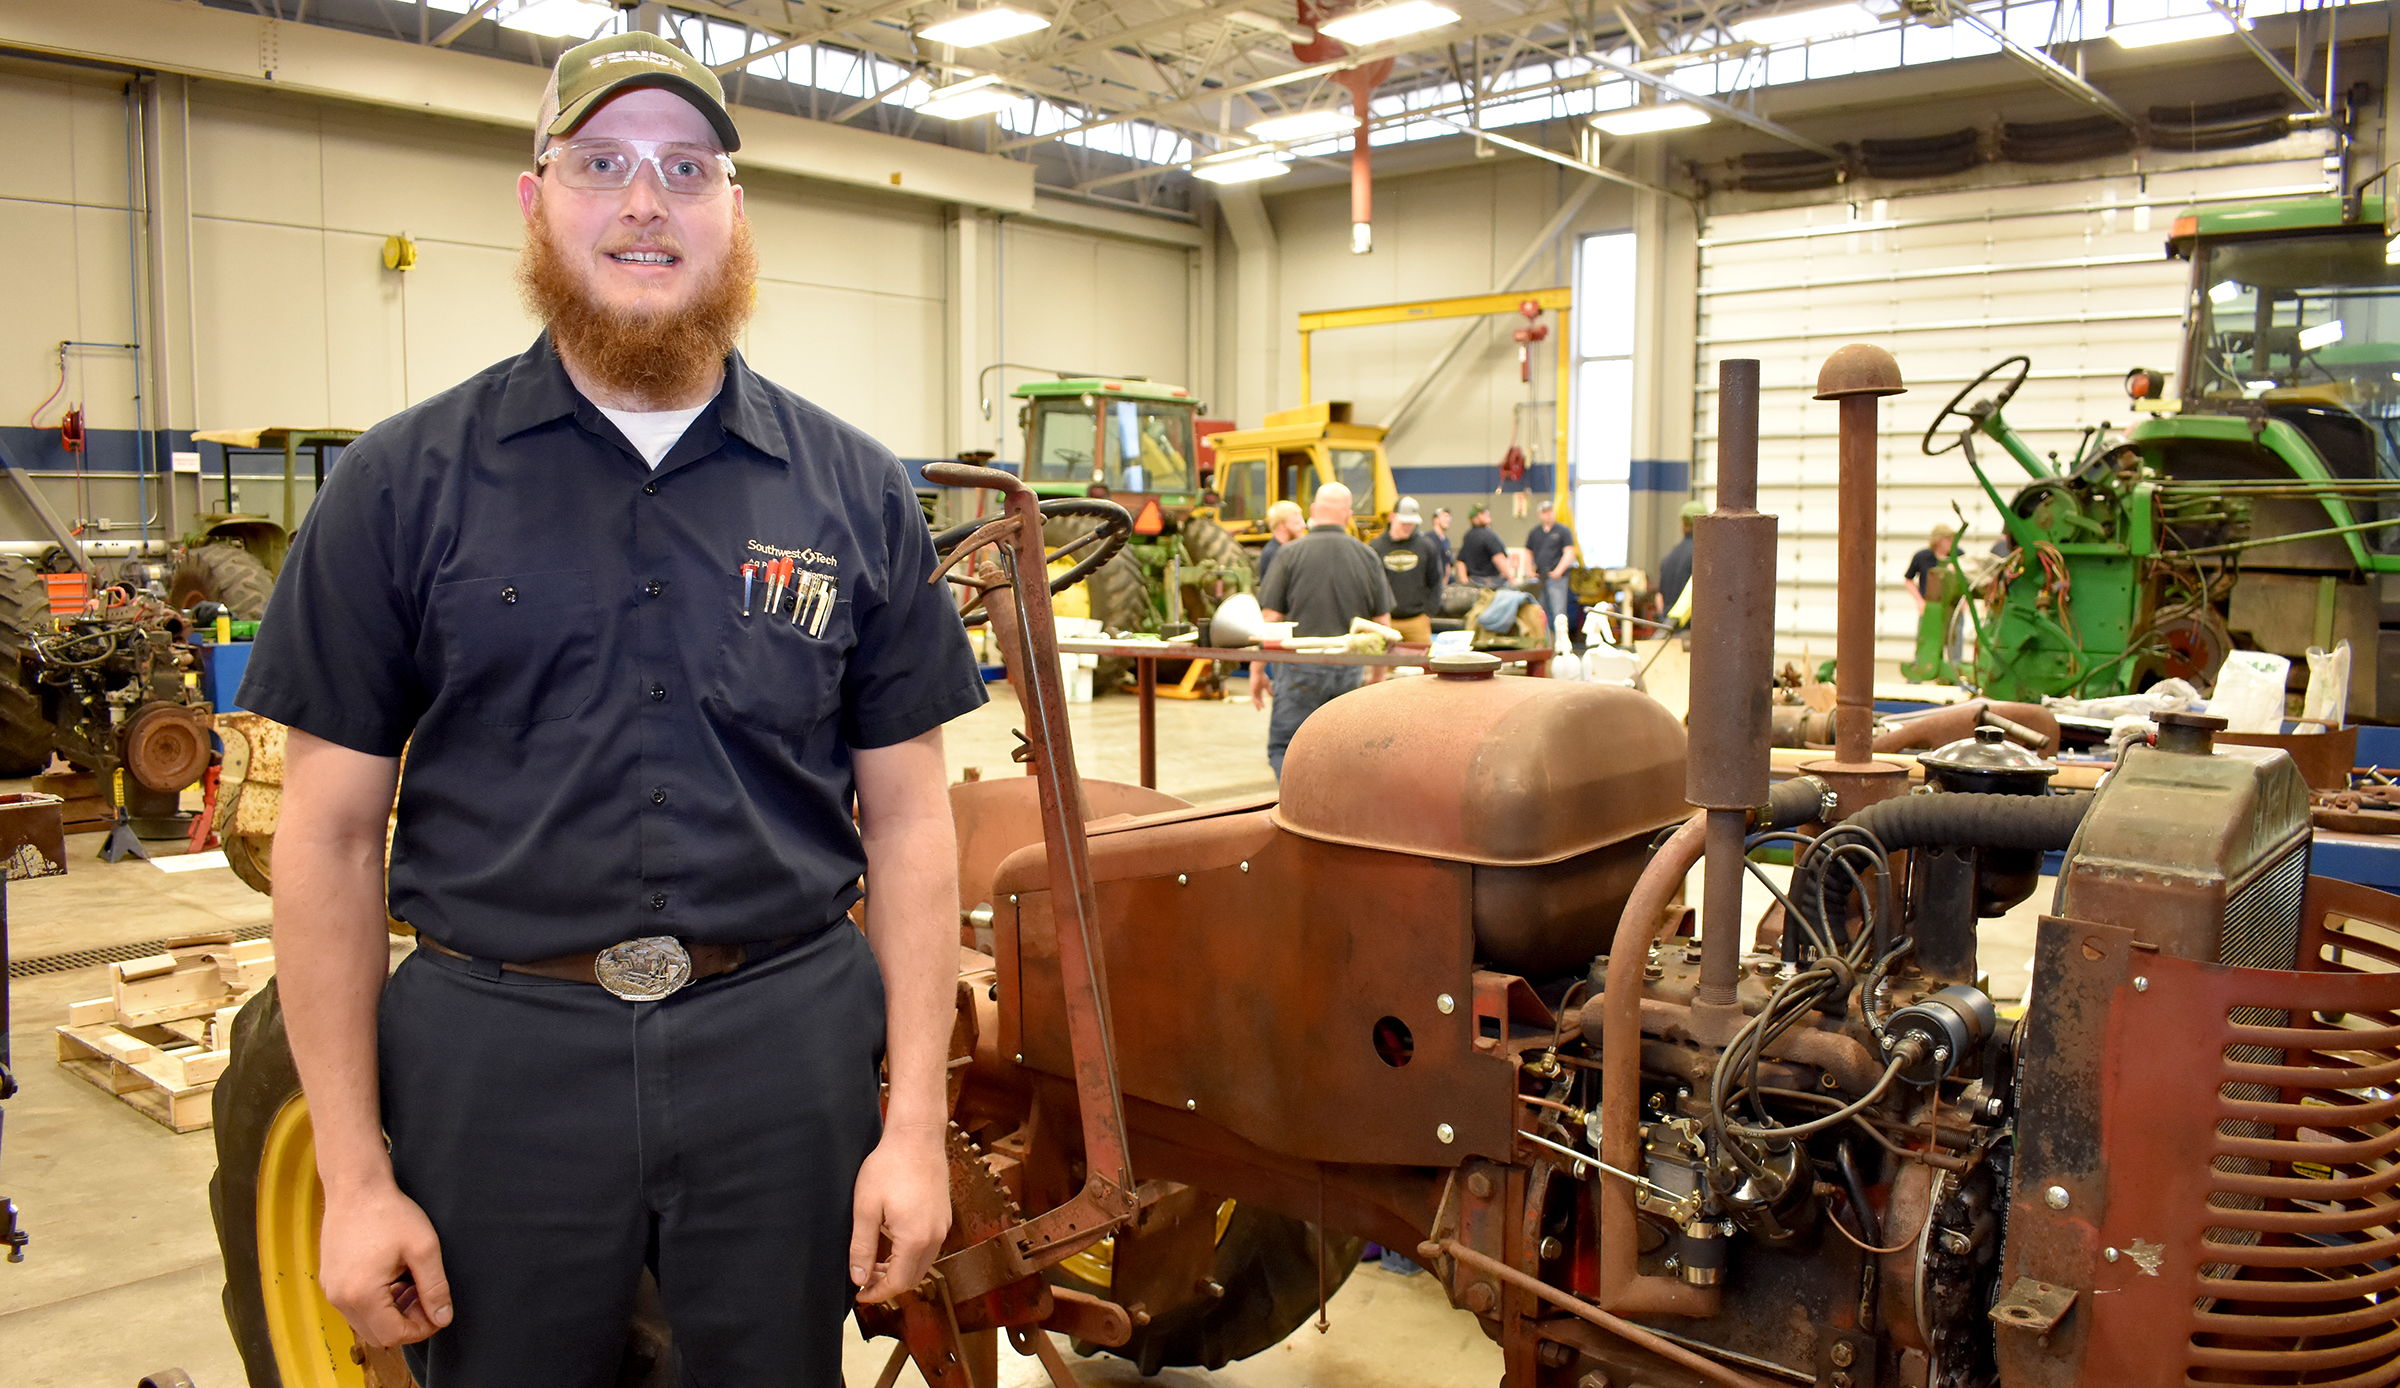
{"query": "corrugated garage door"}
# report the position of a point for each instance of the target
(2070, 273)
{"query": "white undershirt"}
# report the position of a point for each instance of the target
(653, 432)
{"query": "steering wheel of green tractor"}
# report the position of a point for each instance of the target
(1116, 525)
(1976, 414)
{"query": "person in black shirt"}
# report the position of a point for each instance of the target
(1482, 559)
(1551, 547)
(1441, 537)
(1412, 564)
(1320, 582)
(1921, 565)
(644, 785)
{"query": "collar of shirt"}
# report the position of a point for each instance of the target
(540, 391)
(1327, 525)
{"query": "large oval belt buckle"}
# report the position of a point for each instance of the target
(643, 970)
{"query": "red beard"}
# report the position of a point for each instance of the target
(660, 358)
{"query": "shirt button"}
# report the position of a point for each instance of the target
(658, 901)
(658, 692)
(650, 490)
(508, 595)
(654, 587)
(659, 796)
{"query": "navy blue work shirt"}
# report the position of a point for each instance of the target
(601, 745)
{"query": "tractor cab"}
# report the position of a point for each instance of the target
(1127, 439)
(1297, 452)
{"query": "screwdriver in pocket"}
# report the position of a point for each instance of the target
(749, 576)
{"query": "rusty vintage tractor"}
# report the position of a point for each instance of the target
(1443, 995)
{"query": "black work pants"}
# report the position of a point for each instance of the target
(561, 1139)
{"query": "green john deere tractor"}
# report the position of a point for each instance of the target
(1131, 441)
(2258, 510)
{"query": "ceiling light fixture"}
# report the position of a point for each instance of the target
(2183, 26)
(1648, 120)
(1242, 166)
(977, 96)
(1361, 28)
(1304, 125)
(979, 27)
(1798, 26)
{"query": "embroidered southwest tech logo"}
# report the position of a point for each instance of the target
(804, 556)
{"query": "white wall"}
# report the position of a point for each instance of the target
(294, 320)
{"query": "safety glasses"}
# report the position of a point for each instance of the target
(608, 165)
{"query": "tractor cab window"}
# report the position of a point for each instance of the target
(2301, 317)
(1355, 468)
(1150, 447)
(1063, 441)
(1242, 490)
(1296, 476)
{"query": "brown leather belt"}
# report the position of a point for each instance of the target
(707, 961)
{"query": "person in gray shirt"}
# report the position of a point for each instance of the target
(1319, 582)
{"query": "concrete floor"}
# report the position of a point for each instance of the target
(122, 1278)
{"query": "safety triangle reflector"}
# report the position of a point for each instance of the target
(1151, 520)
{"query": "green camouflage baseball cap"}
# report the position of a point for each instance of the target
(590, 73)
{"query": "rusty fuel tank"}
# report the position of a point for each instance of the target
(1549, 790)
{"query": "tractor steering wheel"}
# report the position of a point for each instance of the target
(1115, 526)
(1977, 413)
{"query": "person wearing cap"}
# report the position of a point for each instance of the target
(1919, 574)
(1440, 534)
(1319, 583)
(1412, 565)
(638, 1029)
(1482, 556)
(1675, 570)
(1552, 548)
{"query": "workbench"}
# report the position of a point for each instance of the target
(1145, 656)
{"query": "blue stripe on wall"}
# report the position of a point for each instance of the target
(1455, 481)
(1661, 475)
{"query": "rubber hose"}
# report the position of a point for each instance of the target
(1957, 819)
(1948, 819)
(1795, 801)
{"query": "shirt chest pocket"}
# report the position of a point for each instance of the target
(518, 649)
(779, 674)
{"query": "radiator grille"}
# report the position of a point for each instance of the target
(2262, 931)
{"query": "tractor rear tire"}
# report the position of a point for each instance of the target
(24, 609)
(1120, 599)
(225, 573)
(1267, 1264)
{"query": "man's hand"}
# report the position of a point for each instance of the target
(900, 1210)
(381, 1267)
(1260, 687)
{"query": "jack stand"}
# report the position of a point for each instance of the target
(14, 1237)
(122, 842)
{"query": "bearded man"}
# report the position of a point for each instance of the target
(657, 637)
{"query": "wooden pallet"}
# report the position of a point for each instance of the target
(163, 1035)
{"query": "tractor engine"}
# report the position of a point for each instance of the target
(1390, 1006)
(116, 687)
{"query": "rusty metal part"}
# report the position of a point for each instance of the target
(1107, 1196)
(2324, 759)
(981, 1209)
(1037, 1344)
(1857, 376)
(2028, 725)
(250, 795)
(166, 745)
(997, 817)
(33, 841)
(1860, 369)
(2233, 1217)
(1623, 1288)
(1270, 918)
(1576, 1306)
(2176, 840)
(1458, 787)
(2367, 809)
